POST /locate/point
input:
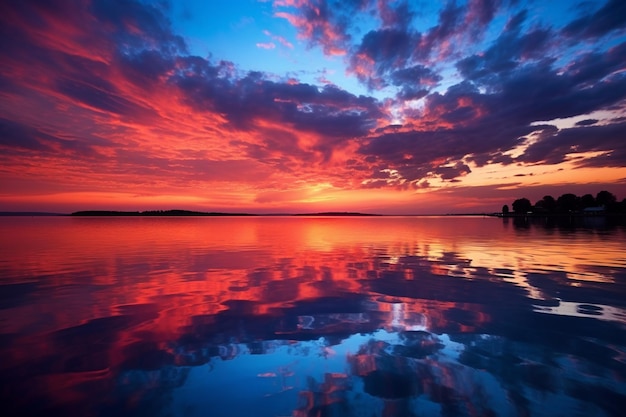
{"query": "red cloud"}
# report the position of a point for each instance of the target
(314, 20)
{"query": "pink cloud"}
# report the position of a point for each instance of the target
(279, 39)
(315, 23)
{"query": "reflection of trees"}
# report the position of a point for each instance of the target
(569, 222)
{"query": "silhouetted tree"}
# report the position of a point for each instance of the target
(587, 201)
(567, 202)
(549, 203)
(522, 205)
(606, 199)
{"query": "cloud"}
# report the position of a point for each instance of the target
(608, 18)
(381, 51)
(482, 12)
(102, 96)
(329, 111)
(268, 45)
(450, 19)
(587, 122)
(20, 137)
(608, 145)
(395, 15)
(130, 111)
(414, 82)
(396, 45)
(137, 25)
(318, 23)
(109, 84)
(510, 50)
(278, 39)
(465, 124)
(42, 139)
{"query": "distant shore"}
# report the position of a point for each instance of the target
(153, 213)
(202, 213)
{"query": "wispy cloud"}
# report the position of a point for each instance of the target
(268, 45)
(279, 39)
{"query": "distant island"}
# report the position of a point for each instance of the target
(154, 213)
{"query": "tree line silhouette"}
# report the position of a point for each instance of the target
(604, 202)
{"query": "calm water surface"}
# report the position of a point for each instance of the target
(281, 316)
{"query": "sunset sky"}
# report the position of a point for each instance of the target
(395, 107)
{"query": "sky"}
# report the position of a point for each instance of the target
(391, 107)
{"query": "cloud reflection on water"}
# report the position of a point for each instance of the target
(430, 316)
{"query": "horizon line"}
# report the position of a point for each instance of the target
(196, 213)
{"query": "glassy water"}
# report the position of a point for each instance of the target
(289, 316)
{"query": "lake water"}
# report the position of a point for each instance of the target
(290, 316)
